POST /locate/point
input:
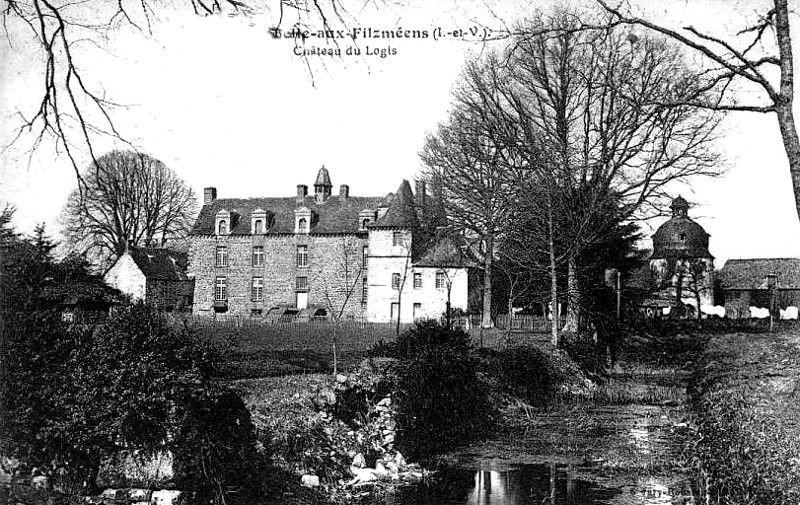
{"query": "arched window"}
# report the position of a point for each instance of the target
(302, 225)
(223, 227)
(364, 223)
(259, 226)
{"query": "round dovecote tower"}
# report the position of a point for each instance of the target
(681, 256)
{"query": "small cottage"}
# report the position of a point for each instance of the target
(747, 283)
(157, 276)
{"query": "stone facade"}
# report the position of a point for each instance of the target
(332, 269)
(340, 260)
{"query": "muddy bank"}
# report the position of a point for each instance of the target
(747, 404)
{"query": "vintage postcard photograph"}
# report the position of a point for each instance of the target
(399, 252)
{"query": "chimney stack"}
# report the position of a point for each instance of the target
(420, 197)
(344, 191)
(302, 191)
(209, 195)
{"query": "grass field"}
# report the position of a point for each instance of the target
(269, 350)
(748, 406)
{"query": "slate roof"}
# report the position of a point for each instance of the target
(402, 212)
(335, 215)
(79, 289)
(752, 273)
(323, 179)
(446, 253)
(160, 264)
(680, 235)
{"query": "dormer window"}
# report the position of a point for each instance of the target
(222, 223)
(258, 221)
(365, 217)
(302, 220)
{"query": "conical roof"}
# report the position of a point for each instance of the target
(401, 213)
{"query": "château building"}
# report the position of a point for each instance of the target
(324, 255)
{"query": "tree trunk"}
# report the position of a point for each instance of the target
(553, 280)
(572, 323)
(486, 321)
(785, 99)
(335, 361)
(792, 146)
(510, 311)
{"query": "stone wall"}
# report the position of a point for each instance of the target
(170, 295)
(326, 272)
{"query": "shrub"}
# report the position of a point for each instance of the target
(132, 383)
(523, 370)
(439, 398)
(581, 348)
(214, 447)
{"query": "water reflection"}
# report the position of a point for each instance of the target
(540, 484)
(532, 484)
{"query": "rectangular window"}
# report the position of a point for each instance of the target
(365, 258)
(257, 289)
(302, 255)
(417, 310)
(221, 289)
(395, 281)
(440, 281)
(364, 291)
(302, 284)
(397, 238)
(222, 256)
(258, 256)
(417, 280)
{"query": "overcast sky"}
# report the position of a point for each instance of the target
(224, 104)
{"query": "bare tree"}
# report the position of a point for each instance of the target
(466, 159)
(129, 199)
(692, 274)
(340, 284)
(400, 286)
(75, 113)
(604, 104)
(759, 56)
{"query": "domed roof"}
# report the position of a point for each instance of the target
(323, 179)
(680, 236)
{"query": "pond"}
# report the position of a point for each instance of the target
(550, 484)
(624, 446)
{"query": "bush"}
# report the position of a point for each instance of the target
(439, 398)
(581, 348)
(132, 383)
(525, 371)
